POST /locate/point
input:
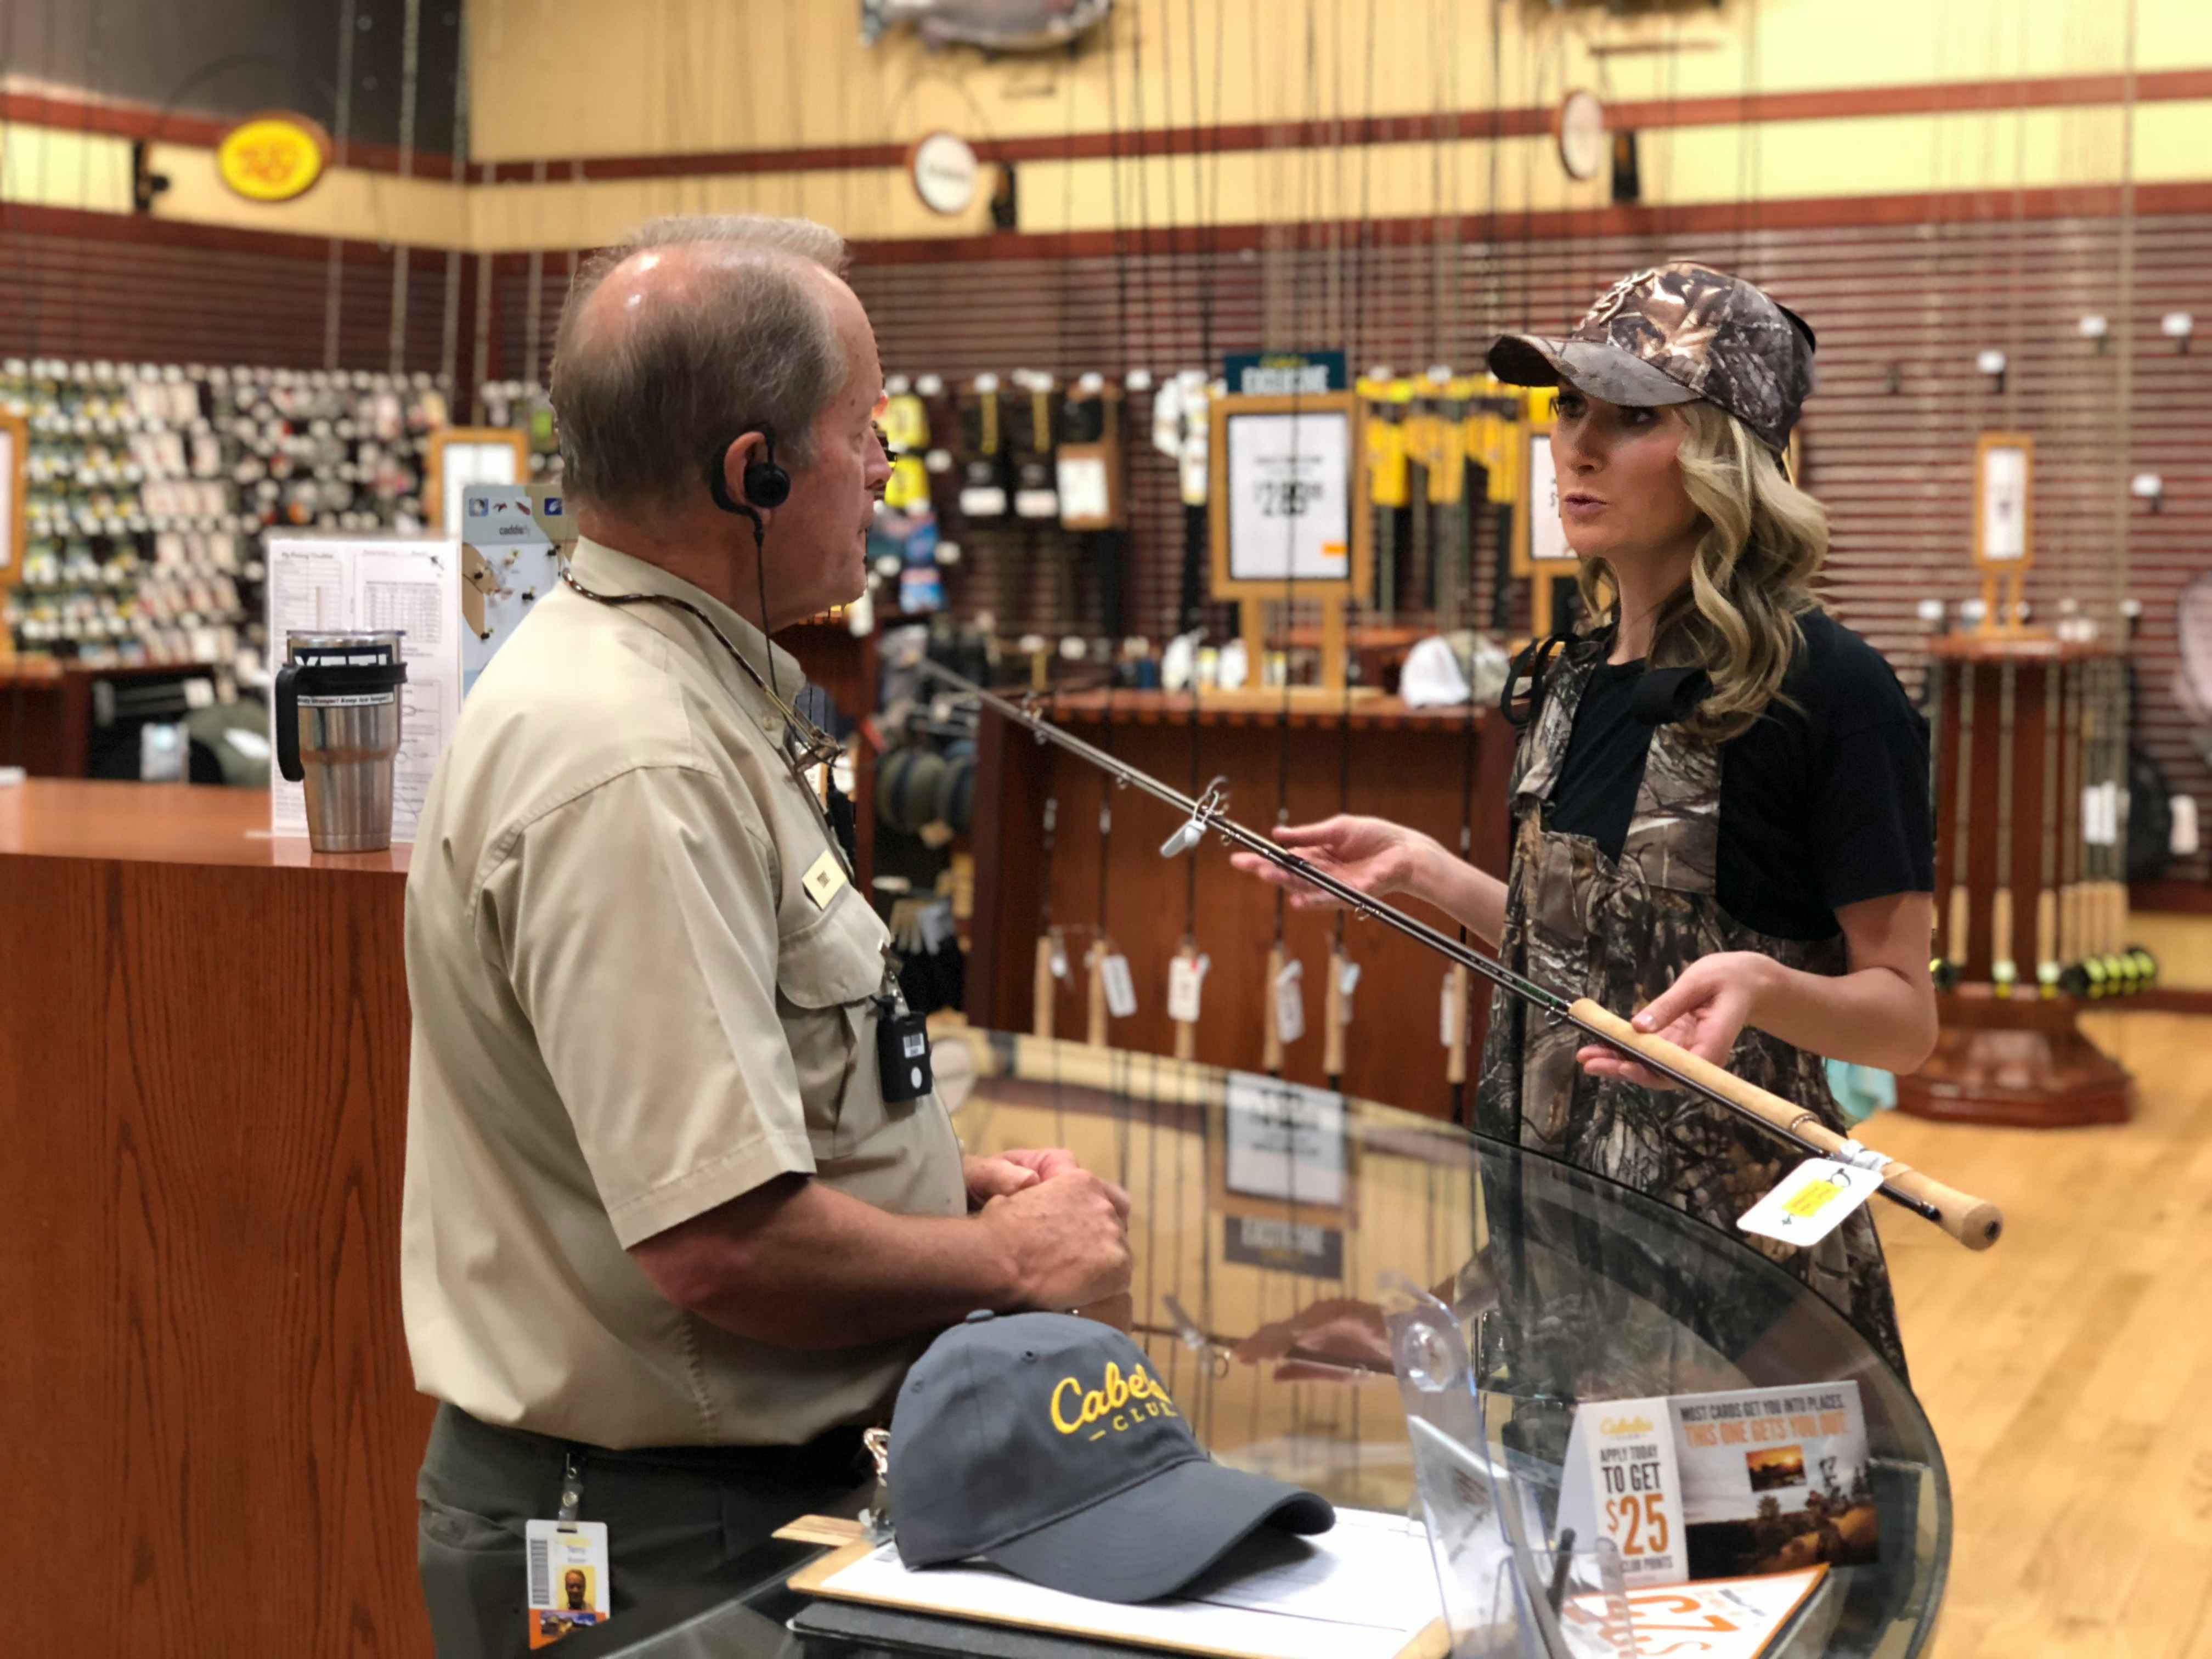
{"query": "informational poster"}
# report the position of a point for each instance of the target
(465, 461)
(1284, 1141)
(507, 564)
(1290, 506)
(1718, 1485)
(2005, 502)
(333, 584)
(1548, 535)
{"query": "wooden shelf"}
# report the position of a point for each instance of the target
(1309, 711)
(2192, 898)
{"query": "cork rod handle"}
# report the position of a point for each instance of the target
(1974, 1222)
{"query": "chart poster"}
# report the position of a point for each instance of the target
(335, 584)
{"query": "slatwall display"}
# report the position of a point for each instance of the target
(1903, 311)
(220, 297)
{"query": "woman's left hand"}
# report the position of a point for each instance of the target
(1704, 1010)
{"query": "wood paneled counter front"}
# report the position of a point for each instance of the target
(210, 1432)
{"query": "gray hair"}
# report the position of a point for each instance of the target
(641, 409)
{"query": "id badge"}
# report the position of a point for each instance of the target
(903, 1053)
(568, 1570)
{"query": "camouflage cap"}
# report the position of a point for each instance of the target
(1676, 334)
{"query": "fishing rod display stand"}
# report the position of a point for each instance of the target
(2028, 729)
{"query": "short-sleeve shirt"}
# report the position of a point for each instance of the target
(1823, 804)
(630, 1009)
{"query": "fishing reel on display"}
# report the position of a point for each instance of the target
(926, 790)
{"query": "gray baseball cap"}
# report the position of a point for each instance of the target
(1044, 1444)
(1676, 334)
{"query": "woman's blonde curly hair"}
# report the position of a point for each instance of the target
(1751, 579)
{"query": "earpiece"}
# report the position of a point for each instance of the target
(767, 484)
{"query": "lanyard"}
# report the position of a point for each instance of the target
(803, 743)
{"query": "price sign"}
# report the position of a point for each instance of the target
(1296, 509)
(2004, 514)
(1286, 1141)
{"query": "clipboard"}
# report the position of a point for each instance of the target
(1432, 1641)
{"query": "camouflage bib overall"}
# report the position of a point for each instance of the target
(1619, 931)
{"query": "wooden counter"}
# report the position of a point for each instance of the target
(1407, 764)
(211, 1429)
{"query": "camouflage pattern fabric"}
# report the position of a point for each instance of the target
(1619, 932)
(1716, 336)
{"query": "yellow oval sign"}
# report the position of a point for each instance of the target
(272, 158)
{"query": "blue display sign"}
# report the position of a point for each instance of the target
(1284, 373)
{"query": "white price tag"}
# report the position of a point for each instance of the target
(1083, 487)
(937, 926)
(1037, 504)
(1059, 961)
(1811, 1202)
(1347, 981)
(983, 502)
(1448, 1007)
(1291, 1002)
(1185, 976)
(1121, 991)
(2100, 814)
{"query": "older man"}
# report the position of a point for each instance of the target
(673, 1231)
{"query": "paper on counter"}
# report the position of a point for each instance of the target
(1363, 1590)
(1713, 1619)
(342, 583)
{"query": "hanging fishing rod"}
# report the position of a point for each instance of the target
(1974, 1222)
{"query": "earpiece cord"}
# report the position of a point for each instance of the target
(816, 745)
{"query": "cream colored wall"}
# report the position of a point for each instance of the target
(51, 166)
(567, 78)
(603, 77)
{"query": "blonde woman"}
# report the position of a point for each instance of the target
(1720, 800)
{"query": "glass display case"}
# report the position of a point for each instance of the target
(1269, 1223)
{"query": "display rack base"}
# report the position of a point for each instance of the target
(2016, 1060)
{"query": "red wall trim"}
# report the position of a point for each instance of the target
(2049, 92)
(1809, 213)
(1698, 219)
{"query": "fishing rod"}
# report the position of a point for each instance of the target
(1974, 1222)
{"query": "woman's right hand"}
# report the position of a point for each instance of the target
(1373, 855)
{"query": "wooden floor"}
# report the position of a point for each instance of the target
(2068, 1370)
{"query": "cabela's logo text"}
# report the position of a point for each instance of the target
(1116, 1402)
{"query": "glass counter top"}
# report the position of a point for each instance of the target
(1267, 1221)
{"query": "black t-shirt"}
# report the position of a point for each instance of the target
(1821, 805)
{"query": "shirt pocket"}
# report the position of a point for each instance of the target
(826, 975)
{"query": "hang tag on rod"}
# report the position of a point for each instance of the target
(1185, 979)
(1812, 1201)
(1121, 989)
(1291, 1002)
(1449, 1011)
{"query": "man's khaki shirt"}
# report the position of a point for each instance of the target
(629, 1009)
